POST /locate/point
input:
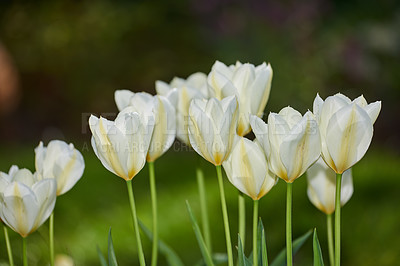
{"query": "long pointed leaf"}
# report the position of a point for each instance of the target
(242, 259)
(262, 245)
(170, 255)
(318, 260)
(112, 259)
(102, 260)
(203, 248)
(280, 260)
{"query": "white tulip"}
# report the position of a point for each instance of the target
(290, 141)
(164, 114)
(122, 145)
(194, 87)
(251, 85)
(322, 187)
(346, 129)
(60, 161)
(25, 202)
(212, 127)
(247, 169)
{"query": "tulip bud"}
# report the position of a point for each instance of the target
(212, 127)
(247, 169)
(59, 161)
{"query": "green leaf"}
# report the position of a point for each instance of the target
(318, 260)
(112, 260)
(280, 260)
(170, 255)
(262, 245)
(103, 261)
(218, 258)
(242, 259)
(203, 248)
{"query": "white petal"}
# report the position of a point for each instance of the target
(122, 98)
(349, 136)
(291, 116)
(277, 129)
(260, 129)
(45, 193)
(162, 88)
(259, 91)
(317, 106)
(373, 110)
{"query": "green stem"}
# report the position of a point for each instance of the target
(289, 259)
(24, 253)
(337, 218)
(255, 219)
(51, 236)
(153, 193)
(8, 245)
(203, 208)
(135, 223)
(242, 218)
(225, 216)
(330, 238)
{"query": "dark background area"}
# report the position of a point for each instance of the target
(60, 61)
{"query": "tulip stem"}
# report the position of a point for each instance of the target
(242, 218)
(24, 253)
(330, 238)
(255, 219)
(225, 216)
(337, 218)
(289, 259)
(135, 223)
(51, 236)
(8, 245)
(154, 209)
(203, 208)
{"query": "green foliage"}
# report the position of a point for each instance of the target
(112, 259)
(242, 259)
(318, 259)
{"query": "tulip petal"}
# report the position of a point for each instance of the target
(317, 106)
(45, 192)
(162, 88)
(349, 134)
(122, 98)
(260, 129)
(373, 110)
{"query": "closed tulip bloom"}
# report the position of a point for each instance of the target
(251, 85)
(247, 169)
(194, 87)
(322, 186)
(212, 127)
(122, 145)
(290, 141)
(346, 129)
(164, 114)
(25, 202)
(59, 161)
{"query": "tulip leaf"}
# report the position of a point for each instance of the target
(242, 259)
(318, 259)
(112, 260)
(262, 245)
(280, 259)
(170, 255)
(203, 248)
(103, 261)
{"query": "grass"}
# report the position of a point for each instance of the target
(99, 201)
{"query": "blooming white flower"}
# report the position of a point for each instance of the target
(251, 85)
(212, 127)
(122, 145)
(164, 114)
(322, 186)
(194, 87)
(25, 202)
(346, 129)
(290, 141)
(247, 169)
(60, 161)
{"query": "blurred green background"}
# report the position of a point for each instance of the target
(62, 60)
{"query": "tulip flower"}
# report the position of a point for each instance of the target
(162, 139)
(194, 87)
(247, 170)
(60, 161)
(122, 146)
(321, 192)
(251, 85)
(212, 133)
(346, 132)
(292, 144)
(65, 164)
(25, 202)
